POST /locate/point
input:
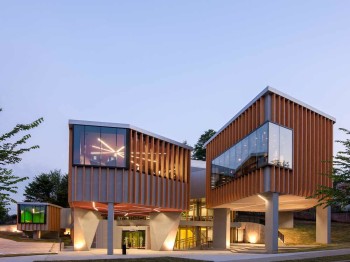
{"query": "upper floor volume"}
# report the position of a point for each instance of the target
(120, 163)
(276, 143)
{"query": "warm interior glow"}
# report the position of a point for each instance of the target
(67, 232)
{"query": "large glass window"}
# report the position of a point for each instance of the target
(32, 214)
(269, 144)
(280, 146)
(99, 146)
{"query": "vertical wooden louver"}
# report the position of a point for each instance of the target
(157, 176)
(312, 144)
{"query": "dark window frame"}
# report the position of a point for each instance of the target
(30, 206)
(127, 147)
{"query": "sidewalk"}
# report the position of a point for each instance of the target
(12, 247)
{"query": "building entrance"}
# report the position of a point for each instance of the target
(134, 239)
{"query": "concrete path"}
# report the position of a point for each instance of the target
(11, 247)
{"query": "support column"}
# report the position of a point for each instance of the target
(85, 225)
(37, 234)
(286, 220)
(271, 222)
(110, 228)
(323, 225)
(163, 227)
(221, 228)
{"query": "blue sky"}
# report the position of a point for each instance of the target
(176, 68)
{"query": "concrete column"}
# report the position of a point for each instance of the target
(85, 225)
(163, 229)
(271, 222)
(221, 228)
(110, 228)
(323, 225)
(37, 234)
(286, 220)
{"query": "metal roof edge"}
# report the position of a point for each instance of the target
(266, 90)
(120, 125)
(38, 204)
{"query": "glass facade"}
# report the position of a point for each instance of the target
(32, 214)
(100, 146)
(269, 144)
(134, 239)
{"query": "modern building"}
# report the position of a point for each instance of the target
(269, 158)
(119, 171)
(128, 186)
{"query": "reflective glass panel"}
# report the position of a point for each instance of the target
(108, 146)
(92, 146)
(100, 146)
(32, 214)
(78, 145)
(270, 143)
(274, 144)
(286, 147)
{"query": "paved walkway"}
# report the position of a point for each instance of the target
(11, 247)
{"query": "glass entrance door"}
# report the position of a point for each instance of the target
(134, 239)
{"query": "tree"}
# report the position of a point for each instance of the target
(3, 211)
(49, 187)
(199, 151)
(339, 194)
(10, 153)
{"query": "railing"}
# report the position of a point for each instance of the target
(190, 243)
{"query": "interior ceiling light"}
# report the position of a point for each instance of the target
(108, 150)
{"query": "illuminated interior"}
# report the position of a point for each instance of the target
(100, 146)
(32, 214)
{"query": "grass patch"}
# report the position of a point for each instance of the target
(304, 233)
(146, 259)
(322, 259)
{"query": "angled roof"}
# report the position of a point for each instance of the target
(106, 124)
(267, 90)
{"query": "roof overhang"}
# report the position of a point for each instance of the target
(119, 125)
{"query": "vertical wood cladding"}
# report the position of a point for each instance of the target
(53, 221)
(312, 144)
(158, 176)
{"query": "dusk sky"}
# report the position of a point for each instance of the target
(176, 68)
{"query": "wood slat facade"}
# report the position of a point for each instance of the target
(312, 144)
(53, 220)
(157, 176)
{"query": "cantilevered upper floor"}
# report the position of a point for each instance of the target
(274, 144)
(139, 171)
